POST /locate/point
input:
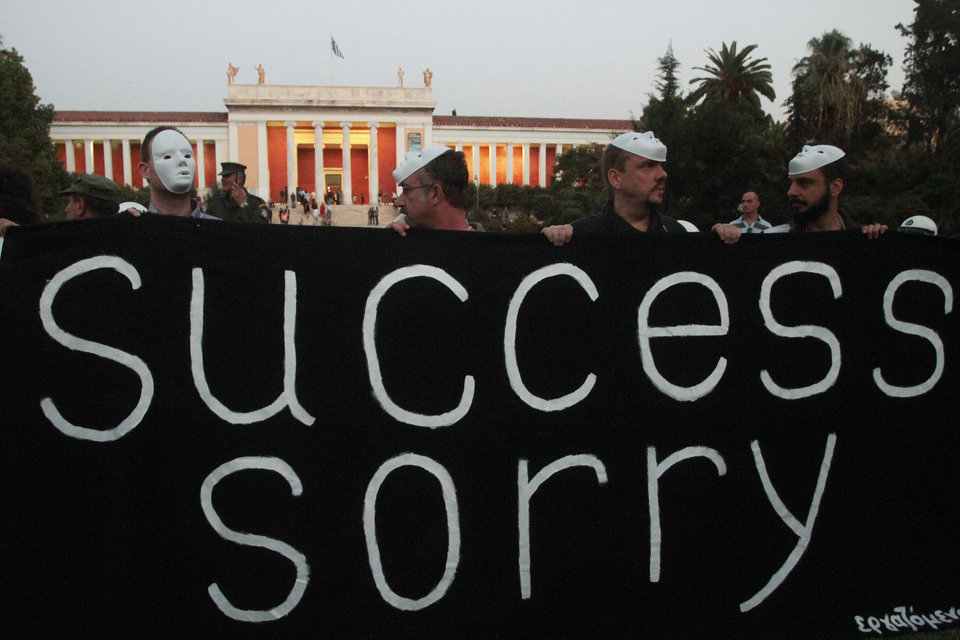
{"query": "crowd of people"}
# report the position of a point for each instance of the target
(432, 186)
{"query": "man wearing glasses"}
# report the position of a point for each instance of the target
(432, 181)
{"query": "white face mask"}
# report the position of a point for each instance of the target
(173, 161)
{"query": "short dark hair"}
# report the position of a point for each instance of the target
(613, 158)
(17, 202)
(99, 206)
(449, 169)
(834, 170)
(145, 147)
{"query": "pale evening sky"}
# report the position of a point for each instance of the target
(570, 59)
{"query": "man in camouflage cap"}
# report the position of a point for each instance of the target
(91, 196)
(235, 203)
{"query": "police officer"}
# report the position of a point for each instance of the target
(235, 203)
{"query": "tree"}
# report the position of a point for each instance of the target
(581, 167)
(25, 131)
(932, 66)
(839, 93)
(734, 77)
(667, 108)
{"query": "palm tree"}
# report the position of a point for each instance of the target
(828, 94)
(734, 77)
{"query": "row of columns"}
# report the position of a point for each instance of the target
(542, 156)
(263, 162)
(128, 163)
(373, 163)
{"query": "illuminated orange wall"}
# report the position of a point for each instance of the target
(305, 165)
(277, 160)
(136, 179)
(116, 161)
(386, 157)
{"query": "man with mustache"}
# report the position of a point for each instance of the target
(168, 166)
(633, 169)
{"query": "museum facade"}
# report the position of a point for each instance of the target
(325, 139)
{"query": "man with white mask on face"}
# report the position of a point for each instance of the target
(168, 166)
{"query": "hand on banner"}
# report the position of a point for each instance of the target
(727, 232)
(399, 226)
(6, 224)
(559, 234)
(874, 231)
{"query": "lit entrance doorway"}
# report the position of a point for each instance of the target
(333, 185)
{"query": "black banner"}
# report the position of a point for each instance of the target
(213, 430)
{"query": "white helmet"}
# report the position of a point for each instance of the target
(921, 225)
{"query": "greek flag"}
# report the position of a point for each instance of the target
(335, 48)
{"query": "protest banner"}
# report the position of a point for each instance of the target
(217, 430)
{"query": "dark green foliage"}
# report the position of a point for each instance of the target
(839, 95)
(25, 133)
(933, 68)
(666, 110)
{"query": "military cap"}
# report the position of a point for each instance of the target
(229, 168)
(89, 184)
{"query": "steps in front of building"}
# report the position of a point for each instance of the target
(343, 215)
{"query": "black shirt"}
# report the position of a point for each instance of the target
(608, 221)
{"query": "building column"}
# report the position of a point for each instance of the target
(493, 164)
(127, 165)
(476, 164)
(88, 156)
(543, 164)
(201, 167)
(69, 156)
(218, 151)
(458, 147)
(510, 163)
(234, 146)
(318, 180)
(526, 164)
(107, 160)
(291, 159)
(346, 185)
(373, 160)
(401, 143)
(263, 162)
(427, 136)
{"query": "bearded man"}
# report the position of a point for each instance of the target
(816, 177)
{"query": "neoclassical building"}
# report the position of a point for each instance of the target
(320, 138)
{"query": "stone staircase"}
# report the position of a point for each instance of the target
(343, 215)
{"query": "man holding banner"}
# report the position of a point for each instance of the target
(441, 174)
(816, 180)
(633, 169)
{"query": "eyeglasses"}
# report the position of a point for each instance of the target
(416, 186)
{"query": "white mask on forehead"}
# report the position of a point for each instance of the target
(173, 161)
